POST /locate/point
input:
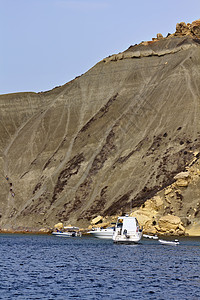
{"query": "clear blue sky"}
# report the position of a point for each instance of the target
(46, 43)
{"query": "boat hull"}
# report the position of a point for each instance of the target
(127, 240)
(102, 234)
(64, 234)
(163, 242)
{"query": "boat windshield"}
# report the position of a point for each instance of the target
(119, 225)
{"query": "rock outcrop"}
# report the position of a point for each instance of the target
(96, 220)
(159, 214)
(58, 226)
(108, 142)
(171, 224)
(188, 29)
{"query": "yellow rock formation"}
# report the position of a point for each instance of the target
(96, 220)
(59, 226)
(170, 222)
(182, 182)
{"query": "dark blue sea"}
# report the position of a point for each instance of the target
(50, 267)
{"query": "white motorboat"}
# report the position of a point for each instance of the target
(64, 234)
(154, 237)
(69, 231)
(175, 242)
(127, 230)
(102, 233)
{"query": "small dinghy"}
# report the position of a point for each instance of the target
(175, 242)
(154, 237)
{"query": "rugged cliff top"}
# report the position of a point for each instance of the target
(183, 29)
(192, 29)
(184, 37)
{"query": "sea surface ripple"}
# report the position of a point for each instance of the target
(49, 267)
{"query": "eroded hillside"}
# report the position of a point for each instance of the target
(107, 141)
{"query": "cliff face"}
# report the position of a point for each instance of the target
(105, 142)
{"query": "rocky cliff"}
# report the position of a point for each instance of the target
(108, 141)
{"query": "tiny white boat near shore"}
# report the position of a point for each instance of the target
(63, 234)
(146, 236)
(127, 231)
(102, 233)
(163, 242)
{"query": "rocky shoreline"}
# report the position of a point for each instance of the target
(153, 215)
(46, 231)
(168, 225)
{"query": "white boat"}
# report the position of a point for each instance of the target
(102, 233)
(127, 230)
(68, 232)
(63, 234)
(154, 237)
(175, 242)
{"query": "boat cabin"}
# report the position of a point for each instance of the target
(127, 230)
(127, 224)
